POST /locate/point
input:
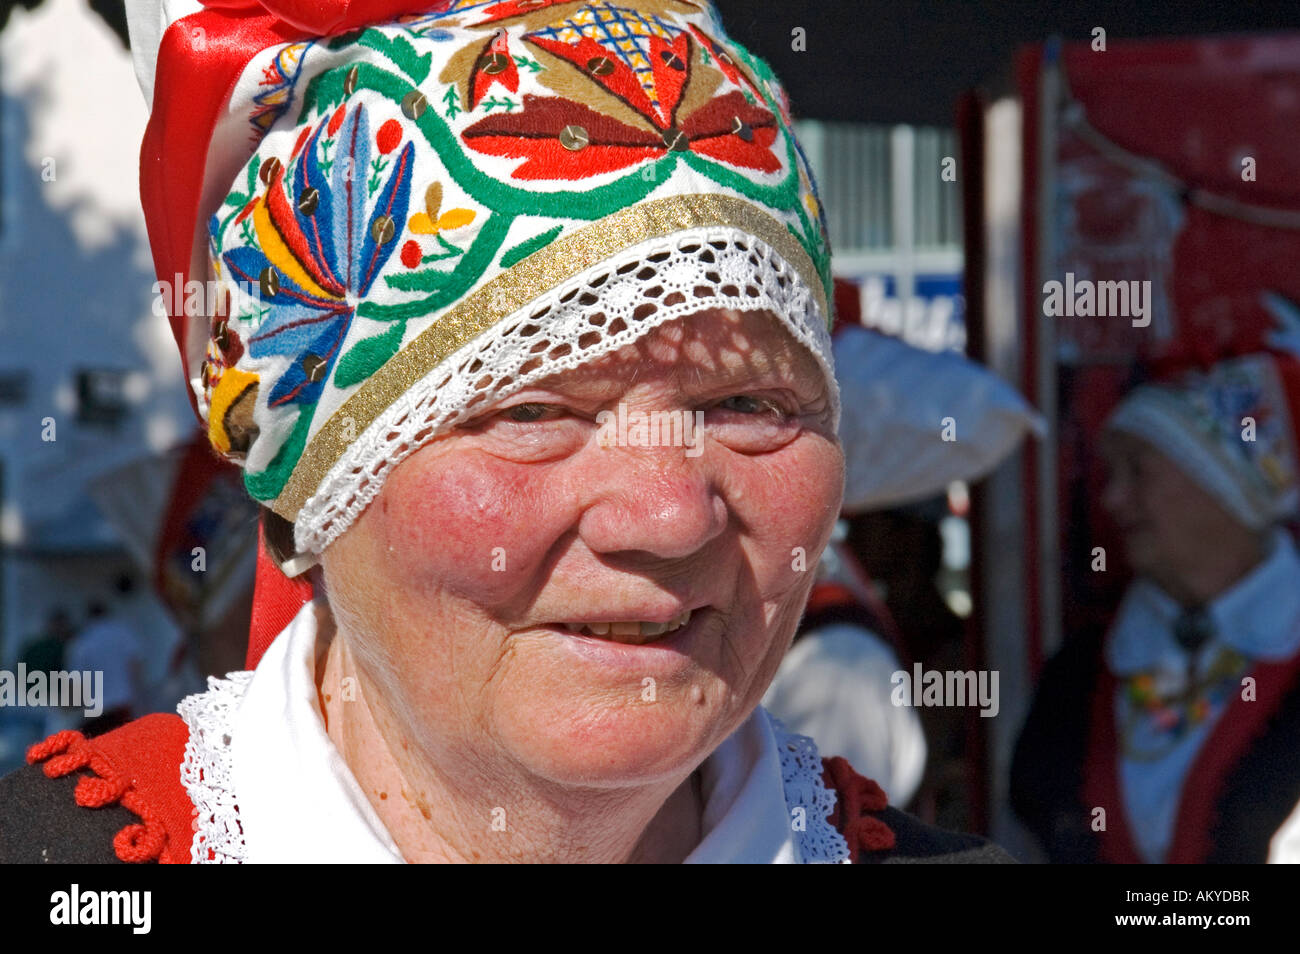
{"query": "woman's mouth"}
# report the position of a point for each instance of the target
(632, 632)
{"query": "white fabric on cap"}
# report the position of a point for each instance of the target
(1155, 417)
(146, 22)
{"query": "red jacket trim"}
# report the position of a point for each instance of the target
(857, 797)
(138, 767)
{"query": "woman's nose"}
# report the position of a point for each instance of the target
(656, 500)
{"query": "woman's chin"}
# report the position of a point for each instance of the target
(620, 743)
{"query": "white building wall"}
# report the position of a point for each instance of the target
(75, 292)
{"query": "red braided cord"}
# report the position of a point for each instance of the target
(859, 797)
(66, 752)
(56, 744)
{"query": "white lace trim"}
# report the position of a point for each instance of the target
(206, 770)
(600, 310)
(219, 836)
(801, 776)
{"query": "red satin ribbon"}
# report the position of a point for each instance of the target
(191, 84)
(328, 17)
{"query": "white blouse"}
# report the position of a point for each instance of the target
(269, 785)
(1259, 617)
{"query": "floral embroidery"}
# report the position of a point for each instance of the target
(311, 283)
(494, 65)
(645, 62)
(429, 222)
(547, 129)
(501, 132)
(279, 75)
(1163, 707)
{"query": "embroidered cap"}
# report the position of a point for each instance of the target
(407, 210)
(1230, 428)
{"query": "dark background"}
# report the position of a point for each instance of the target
(907, 61)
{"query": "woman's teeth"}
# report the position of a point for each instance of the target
(630, 632)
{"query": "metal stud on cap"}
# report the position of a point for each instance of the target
(269, 282)
(308, 201)
(313, 365)
(383, 230)
(574, 138)
(494, 63)
(672, 60)
(414, 104)
(270, 169)
(676, 140)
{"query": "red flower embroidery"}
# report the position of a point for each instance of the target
(494, 65)
(411, 254)
(547, 128)
(389, 136)
(336, 120)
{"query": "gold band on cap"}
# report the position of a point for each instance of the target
(514, 289)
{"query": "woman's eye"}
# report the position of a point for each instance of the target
(752, 424)
(529, 413)
(530, 432)
(748, 404)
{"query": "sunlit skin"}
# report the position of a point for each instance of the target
(485, 540)
(1176, 534)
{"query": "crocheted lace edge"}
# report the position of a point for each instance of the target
(206, 770)
(436, 402)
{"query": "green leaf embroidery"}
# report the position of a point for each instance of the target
(367, 356)
(452, 100)
(449, 251)
(492, 103)
(528, 246)
(401, 52)
(428, 280)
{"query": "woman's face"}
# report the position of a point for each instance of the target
(1170, 526)
(459, 588)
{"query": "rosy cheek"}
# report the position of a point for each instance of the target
(469, 523)
(800, 492)
(789, 500)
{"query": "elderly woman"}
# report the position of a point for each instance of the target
(519, 333)
(1172, 739)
